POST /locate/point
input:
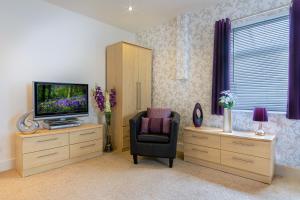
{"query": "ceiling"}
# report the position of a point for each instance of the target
(146, 13)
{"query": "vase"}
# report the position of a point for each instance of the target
(108, 146)
(227, 123)
(197, 115)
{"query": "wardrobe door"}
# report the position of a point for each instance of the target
(145, 80)
(114, 65)
(130, 82)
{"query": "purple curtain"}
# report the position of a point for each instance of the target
(293, 105)
(220, 79)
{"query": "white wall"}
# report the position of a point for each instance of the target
(39, 41)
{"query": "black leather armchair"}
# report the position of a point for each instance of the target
(161, 146)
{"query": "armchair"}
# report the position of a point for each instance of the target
(161, 146)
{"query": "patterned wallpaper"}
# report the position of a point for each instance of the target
(182, 94)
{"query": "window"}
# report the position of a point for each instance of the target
(259, 74)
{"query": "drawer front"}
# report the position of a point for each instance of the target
(248, 163)
(36, 159)
(85, 135)
(85, 148)
(202, 139)
(39, 143)
(201, 152)
(245, 146)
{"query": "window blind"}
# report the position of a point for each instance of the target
(259, 73)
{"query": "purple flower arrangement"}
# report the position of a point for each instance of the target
(63, 105)
(100, 99)
(105, 101)
(112, 98)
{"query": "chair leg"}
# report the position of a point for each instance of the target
(170, 162)
(135, 159)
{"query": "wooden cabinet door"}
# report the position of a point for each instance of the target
(114, 65)
(145, 79)
(130, 82)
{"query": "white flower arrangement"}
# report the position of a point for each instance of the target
(227, 100)
(107, 105)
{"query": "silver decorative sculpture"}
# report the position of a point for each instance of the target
(26, 124)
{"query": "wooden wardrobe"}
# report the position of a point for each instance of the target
(129, 71)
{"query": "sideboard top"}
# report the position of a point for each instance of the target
(238, 134)
(42, 132)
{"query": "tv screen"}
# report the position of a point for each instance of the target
(54, 100)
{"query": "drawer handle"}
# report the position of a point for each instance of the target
(48, 140)
(243, 144)
(89, 133)
(243, 160)
(202, 151)
(87, 146)
(200, 137)
(47, 155)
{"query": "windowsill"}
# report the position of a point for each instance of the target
(271, 112)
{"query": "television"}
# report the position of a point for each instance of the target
(60, 100)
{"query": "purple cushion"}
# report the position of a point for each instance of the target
(145, 125)
(158, 112)
(155, 125)
(166, 126)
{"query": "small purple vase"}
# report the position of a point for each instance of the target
(197, 115)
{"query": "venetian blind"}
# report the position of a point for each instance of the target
(259, 74)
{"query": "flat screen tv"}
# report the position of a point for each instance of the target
(60, 100)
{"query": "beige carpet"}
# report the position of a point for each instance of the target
(113, 176)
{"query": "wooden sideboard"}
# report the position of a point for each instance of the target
(240, 153)
(49, 149)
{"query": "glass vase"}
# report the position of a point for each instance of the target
(108, 145)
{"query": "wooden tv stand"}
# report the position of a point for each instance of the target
(49, 149)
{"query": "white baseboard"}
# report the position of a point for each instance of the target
(285, 171)
(280, 170)
(7, 165)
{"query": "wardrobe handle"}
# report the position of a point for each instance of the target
(137, 95)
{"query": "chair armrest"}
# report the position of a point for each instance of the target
(174, 129)
(135, 126)
(135, 122)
